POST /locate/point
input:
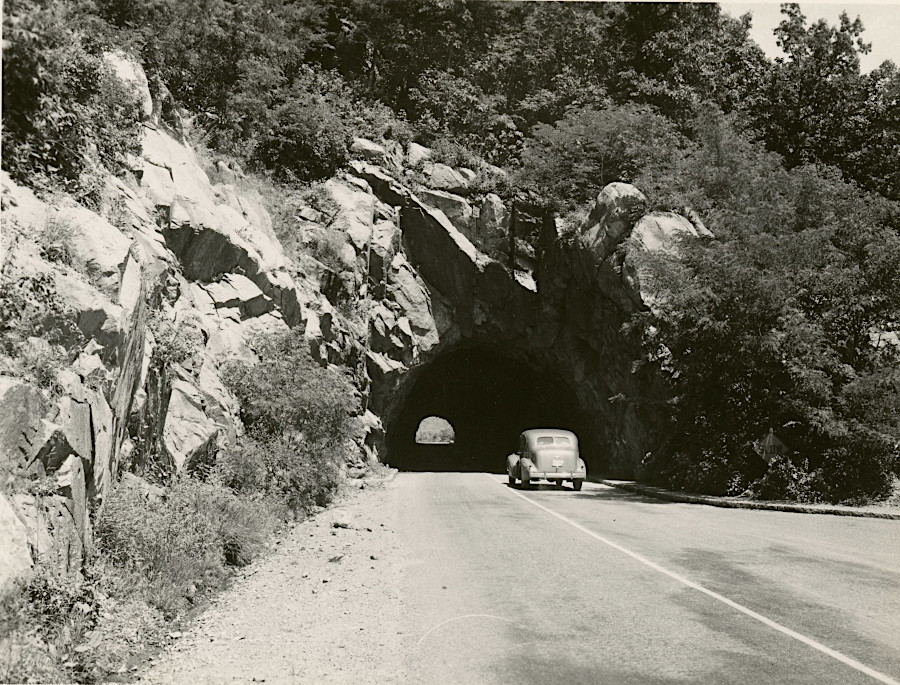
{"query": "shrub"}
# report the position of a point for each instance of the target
(177, 545)
(174, 341)
(785, 480)
(328, 247)
(299, 421)
(26, 657)
(31, 308)
(57, 238)
(65, 114)
(306, 140)
(290, 470)
(287, 391)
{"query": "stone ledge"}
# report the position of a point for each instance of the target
(736, 503)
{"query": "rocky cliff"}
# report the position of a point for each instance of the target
(117, 321)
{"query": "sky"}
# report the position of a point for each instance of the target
(881, 22)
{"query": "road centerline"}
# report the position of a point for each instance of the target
(834, 654)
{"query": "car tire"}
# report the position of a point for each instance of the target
(526, 483)
(512, 479)
(576, 484)
(560, 483)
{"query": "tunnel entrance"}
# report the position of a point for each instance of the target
(489, 398)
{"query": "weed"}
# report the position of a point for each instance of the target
(56, 239)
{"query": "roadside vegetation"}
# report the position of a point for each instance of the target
(165, 542)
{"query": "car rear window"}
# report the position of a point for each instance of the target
(549, 440)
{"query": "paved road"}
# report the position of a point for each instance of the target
(509, 586)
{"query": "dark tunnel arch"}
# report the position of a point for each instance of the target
(489, 397)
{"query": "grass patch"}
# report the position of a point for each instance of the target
(181, 545)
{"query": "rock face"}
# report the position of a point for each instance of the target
(564, 325)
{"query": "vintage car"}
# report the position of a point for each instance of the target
(546, 454)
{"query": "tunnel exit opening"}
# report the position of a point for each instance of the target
(489, 398)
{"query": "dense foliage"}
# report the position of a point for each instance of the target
(299, 420)
(65, 115)
(778, 324)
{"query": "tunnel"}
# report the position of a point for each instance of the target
(488, 397)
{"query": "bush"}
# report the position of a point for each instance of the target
(65, 114)
(182, 543)
(771, 325)
(785, 480)
(287, 391)
(26, 655)
(288, 469)
(30, 306)
(299, 422)
(306, 141)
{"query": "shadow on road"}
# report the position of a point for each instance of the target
(606, 494)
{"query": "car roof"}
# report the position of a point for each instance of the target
(535, 432)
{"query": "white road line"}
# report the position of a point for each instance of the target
(852, 663)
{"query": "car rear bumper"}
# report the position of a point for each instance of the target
(556, 475)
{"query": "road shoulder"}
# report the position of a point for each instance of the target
(323, 608)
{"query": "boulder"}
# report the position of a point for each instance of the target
(221, 406)
(239, 293)
(660, 231)
(53, 538)
(104, 464)
(188, 434)
(442, 177)
(130, 285)
(493, 222)
(22, 405)
(456, 208)
(617, 207)
(131, 73)
(383, 185)
(23, 212)
(417, 154)
(385, 244)
(368, 150)
(158, 185)
(192, 188)
(356, 212)
(45, 448)
(70, 484)
(249, 203)
(95, 315)
(467, 174)
(408, 290)
(102, 246)
(15, 559)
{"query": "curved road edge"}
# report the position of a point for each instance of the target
(734, 503)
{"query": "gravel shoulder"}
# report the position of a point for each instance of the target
(324, 607)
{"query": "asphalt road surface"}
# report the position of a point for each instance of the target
(502, 585)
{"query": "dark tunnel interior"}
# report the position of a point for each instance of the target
(489, 398)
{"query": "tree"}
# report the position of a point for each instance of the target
(771, 325)
(818, 106)
(571, 161)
